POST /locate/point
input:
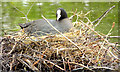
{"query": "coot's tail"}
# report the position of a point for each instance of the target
(24, 25)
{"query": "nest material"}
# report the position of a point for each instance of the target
(86, 51)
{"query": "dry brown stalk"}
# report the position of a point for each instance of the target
(81, 65)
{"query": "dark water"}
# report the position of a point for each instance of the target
(11, 17)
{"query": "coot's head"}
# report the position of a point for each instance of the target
(61, 14)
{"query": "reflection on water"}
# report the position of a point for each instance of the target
(11, 17)
(39, 4)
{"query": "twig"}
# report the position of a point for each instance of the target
(31, 64)
(74, 13)
(64, 63)
(13, 48)
(88, 12)
(11, 64)
(54, 64)
(81, 65)
(19, 10)
(23, 62)
(102, 16)
(25, 55)
(77, 69)
(113, 36)
(62, 49)
(102, 67)
(1, 49)
(69, 64)
(30, 8)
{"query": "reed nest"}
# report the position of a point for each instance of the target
(81, 49)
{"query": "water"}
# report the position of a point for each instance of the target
(11, 17)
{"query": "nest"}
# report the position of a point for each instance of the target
(82, 49)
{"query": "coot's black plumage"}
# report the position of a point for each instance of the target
(62, 23)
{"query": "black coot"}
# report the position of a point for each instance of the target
(62, 23)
